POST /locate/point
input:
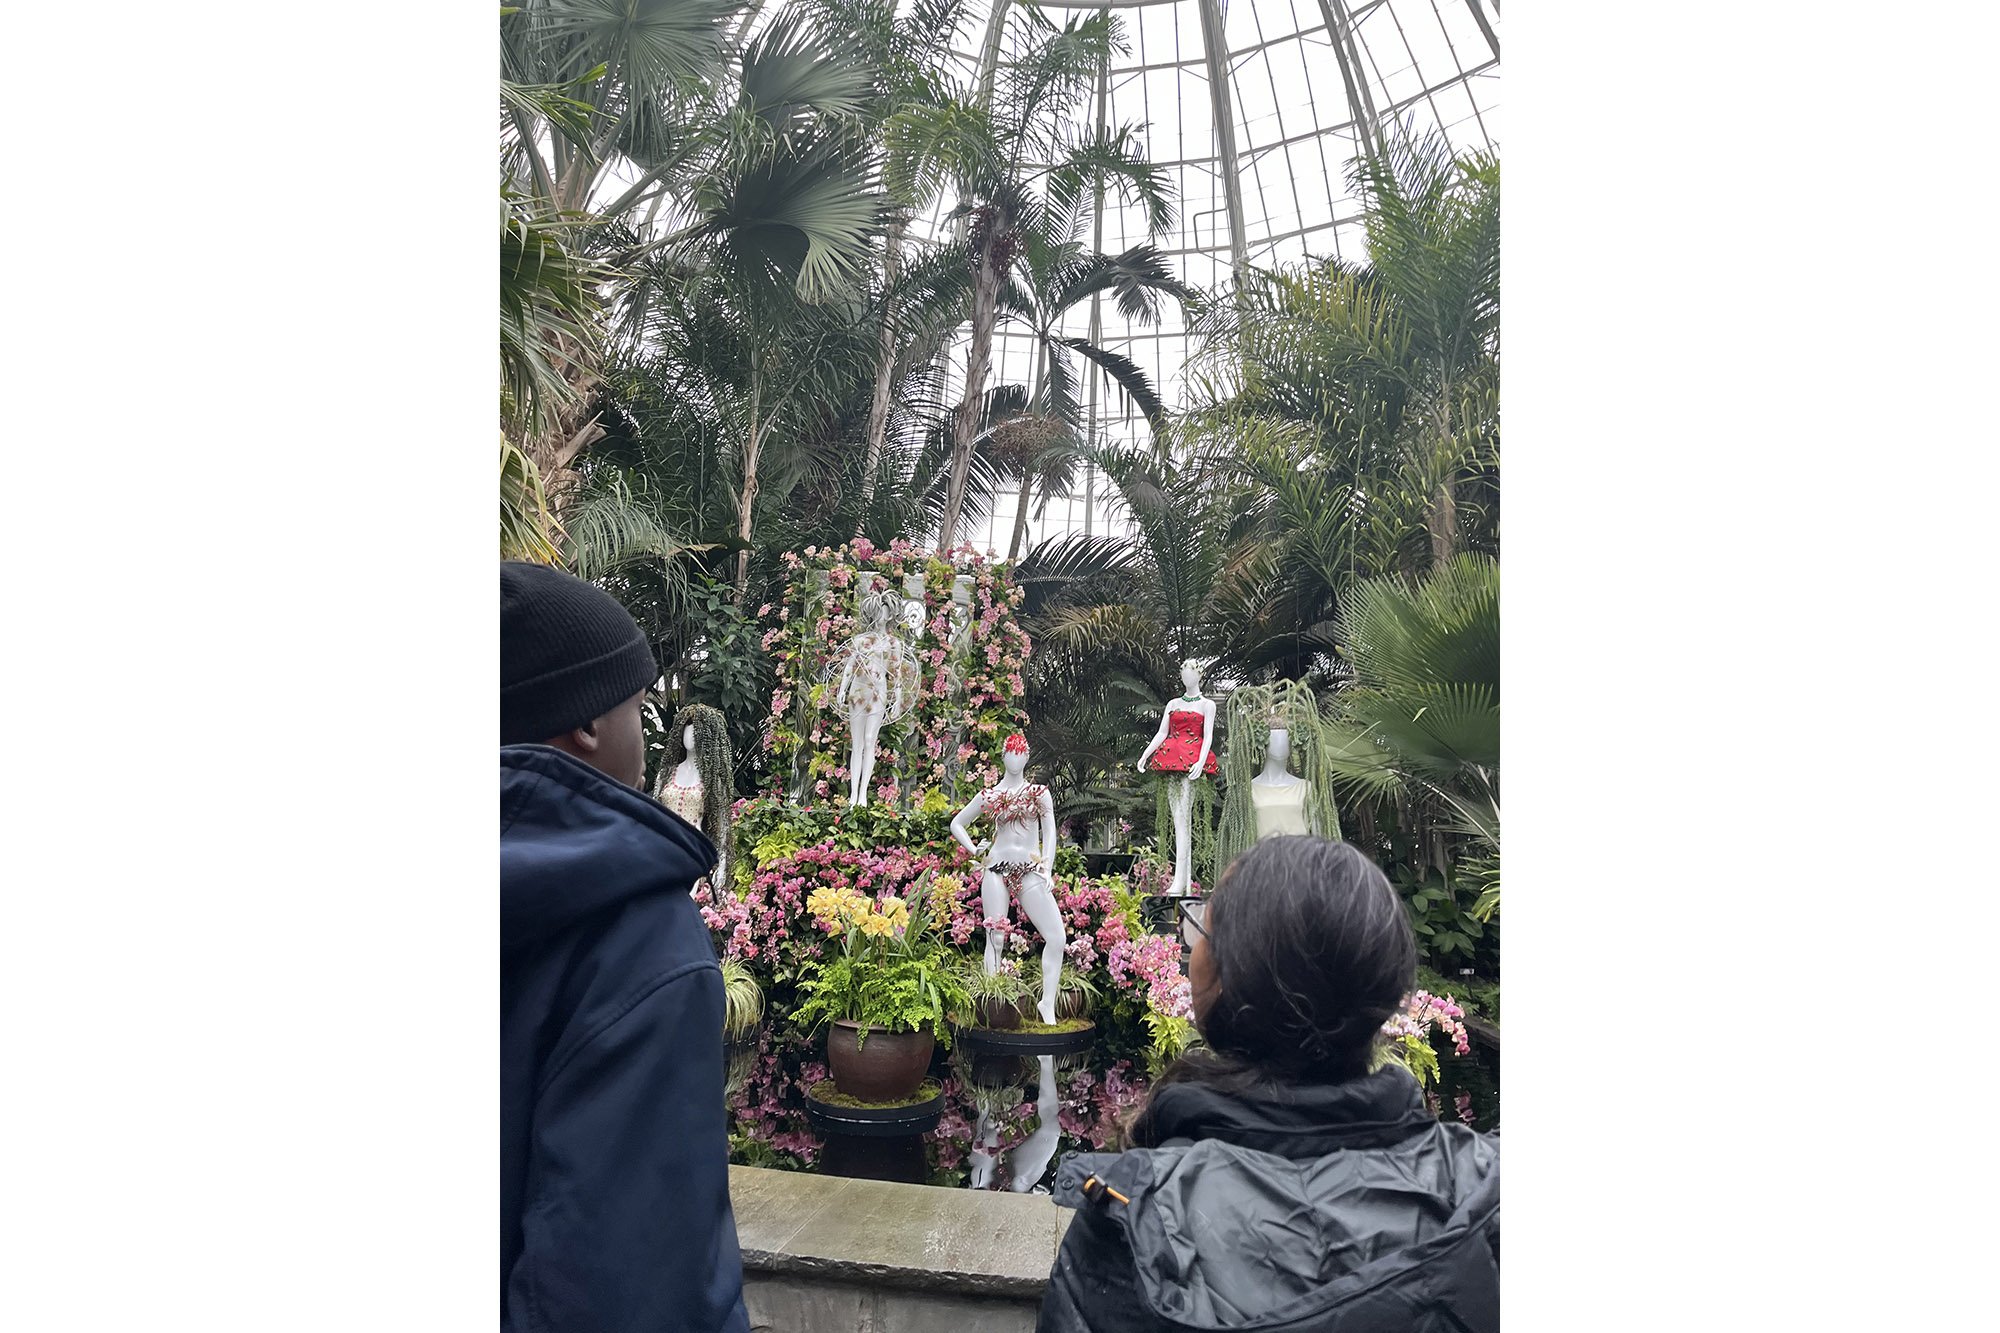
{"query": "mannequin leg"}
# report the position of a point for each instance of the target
(1038, 903)
(856, 721)
(874, 739)
(993, 902)
(1179, 797)
(865, 725)
(983, 1152)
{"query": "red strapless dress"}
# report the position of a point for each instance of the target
(1176, 753)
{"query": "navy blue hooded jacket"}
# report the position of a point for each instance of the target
(614, 1150)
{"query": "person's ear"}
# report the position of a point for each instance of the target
(585, 737)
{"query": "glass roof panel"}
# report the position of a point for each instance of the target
(1297, 120)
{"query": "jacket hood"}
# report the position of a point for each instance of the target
(1271, 1213)
(574, 841)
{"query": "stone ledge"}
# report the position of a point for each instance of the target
(829, 1228)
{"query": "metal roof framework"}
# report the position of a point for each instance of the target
(1253, 110)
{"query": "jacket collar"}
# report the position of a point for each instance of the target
(1297, 1120)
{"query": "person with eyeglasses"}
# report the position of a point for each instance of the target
(1281, 1174)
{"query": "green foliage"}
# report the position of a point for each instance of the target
(1002, 987)
(1069, 861)
(1067, 977)
(892, 971)
(1171, 1036)
(1414, 1054)
(725, 667)
(1440, 914)
(547, 312)
(1475, 996)
(901, 993)
(525, 522)
(742, 999)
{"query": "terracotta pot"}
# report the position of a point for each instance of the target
(992, 1013)
(1072, 1003)
(889, 1067)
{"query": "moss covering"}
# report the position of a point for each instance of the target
(1036, 1027)
(824, 1091)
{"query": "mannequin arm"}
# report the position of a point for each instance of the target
(1048, 858)
(1158, 737)
(964, 818)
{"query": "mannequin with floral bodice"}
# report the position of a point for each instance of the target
(698, 778)
(1019, 858)
(681, 792)
(875, 684)
(1182, 750)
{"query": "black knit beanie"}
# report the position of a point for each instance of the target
(568, 653)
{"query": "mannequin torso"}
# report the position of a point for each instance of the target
(1277, 795)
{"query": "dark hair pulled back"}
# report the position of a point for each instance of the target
(1312, 954)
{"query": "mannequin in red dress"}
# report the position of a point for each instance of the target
(1184, 744)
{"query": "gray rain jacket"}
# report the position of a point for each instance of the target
(1346, 1208)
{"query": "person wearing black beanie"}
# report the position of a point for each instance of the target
(614, 1145)
(573, 670)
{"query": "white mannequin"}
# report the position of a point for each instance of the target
(1029, 845)
(878, 684)
(1277, 795)
(1031, 1156)
(1181, 793)
(682, 792)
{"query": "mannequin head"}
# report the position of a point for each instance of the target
(1191, 676)
(1014, 755)
(874, 612)
(687, 738)
(1278, 756)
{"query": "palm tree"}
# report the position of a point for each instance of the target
(1055, 276)
(1433, 225)
(1419, 724)
(987, 151)
(743, 161)
(1377, 382)
(908, 54)
(1165, 593)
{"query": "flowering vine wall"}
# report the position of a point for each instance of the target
(969, 697)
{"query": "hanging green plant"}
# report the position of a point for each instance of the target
(1252, 713)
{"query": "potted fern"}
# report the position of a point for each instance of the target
(1074, 991)
(999, 999)
(883, 995)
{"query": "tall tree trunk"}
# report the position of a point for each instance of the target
(885, 370)
(978, 359)
(1441, 521)
(1021, 515)
(746, 499)
(1027, 465)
